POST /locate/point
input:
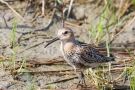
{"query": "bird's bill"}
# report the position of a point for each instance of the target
(53, 40)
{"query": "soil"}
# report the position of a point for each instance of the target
(45, 68)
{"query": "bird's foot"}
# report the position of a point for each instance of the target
(81, 82)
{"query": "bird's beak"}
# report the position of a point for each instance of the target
(53, 40)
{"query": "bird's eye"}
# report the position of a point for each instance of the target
(66, 32)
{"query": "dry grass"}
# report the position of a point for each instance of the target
(112, 18)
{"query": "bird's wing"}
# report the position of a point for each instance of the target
(89, 54)
(81, 43)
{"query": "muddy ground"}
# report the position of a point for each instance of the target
(44, 68)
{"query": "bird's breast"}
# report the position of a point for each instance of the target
(68, 47)
(64, 52)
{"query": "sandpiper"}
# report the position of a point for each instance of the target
(78, 54)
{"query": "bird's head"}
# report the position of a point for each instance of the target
(64, 34)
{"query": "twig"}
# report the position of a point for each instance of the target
(4, 58)
(5, 19)
(62, 80)
(113, 69)
(72, 24)
(41, 29)
(118, 77)
(63, 24)
(69, 9)
(52, 72)
(49, 62)
(4, 46)
(126, 6)
(127, 50)
(12, 9)
(43, 6)
(32, 46)
(18, 82)
(126, 26)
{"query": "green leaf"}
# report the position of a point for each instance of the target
(59, 15)
(59, 1)
(65, 9)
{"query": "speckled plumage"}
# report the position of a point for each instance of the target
(78, 54)
(84, 56)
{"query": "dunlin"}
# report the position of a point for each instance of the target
(78, 54)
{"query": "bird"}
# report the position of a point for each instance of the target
(78, 54)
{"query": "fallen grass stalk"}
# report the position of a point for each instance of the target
(13, 10)
(62, 80)
(69, 9)
(32, 46)
(125, 27)
(115, 69)
(55, 72)
(75, 25)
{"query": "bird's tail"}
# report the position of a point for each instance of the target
(109, 59)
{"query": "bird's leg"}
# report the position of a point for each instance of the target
(76, 74)
(81, 80)
(81, 77)
(75, 71)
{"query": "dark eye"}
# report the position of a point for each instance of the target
(66, 32)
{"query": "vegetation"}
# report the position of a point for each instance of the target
(110, 22)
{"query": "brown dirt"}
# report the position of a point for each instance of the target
(45, 68)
